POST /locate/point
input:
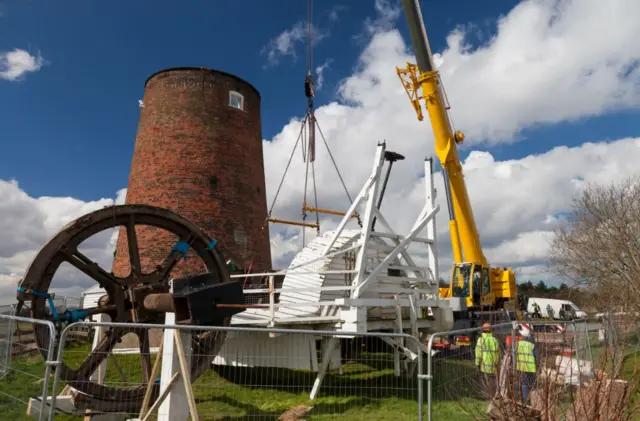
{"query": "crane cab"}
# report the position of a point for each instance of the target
(480, 286)
(472, 282)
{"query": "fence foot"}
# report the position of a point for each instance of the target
(35, 406)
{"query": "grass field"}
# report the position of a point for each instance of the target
(367, 390)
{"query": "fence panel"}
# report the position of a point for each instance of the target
(23, 364)
(462, 381)
(618, 339)
(6, 338)
(529, 367)
(262, 373)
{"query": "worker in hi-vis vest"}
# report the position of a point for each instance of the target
(488, 359)
(526, 361)
(536, 311)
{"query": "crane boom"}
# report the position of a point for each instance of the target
(462, 223)
(471, 277)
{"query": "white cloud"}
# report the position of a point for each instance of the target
(334, 13)
(550, 61)
(386, 16)
(286, 43)
(320, 73)
(560, 69)
(15, 64)
(27, 223)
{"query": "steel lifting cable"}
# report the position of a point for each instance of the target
(310, 121)
(335, 165)
(309, 35)
(313, 122)
(308, 146)
(273, 203)
(304, 197)
(315, 197)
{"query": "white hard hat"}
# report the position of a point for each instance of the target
(525, 330)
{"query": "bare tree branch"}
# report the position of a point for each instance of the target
(598, 245)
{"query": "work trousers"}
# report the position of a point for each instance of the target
(489, 384)
(527, 380)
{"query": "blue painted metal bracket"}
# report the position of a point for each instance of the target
(69, 315)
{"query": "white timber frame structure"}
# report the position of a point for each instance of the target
(349, 281)
(346, 281)
(314, 291)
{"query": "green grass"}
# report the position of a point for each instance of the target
(367, 390)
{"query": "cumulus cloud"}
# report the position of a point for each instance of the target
(550, 61)
(15, 64)
(386, 15)
(27, 223)
(516, 228)
(561, 68)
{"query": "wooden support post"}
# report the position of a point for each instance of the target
(152, 380)
(330, 347)
(413, 315)
(98, 375)
(175, 379)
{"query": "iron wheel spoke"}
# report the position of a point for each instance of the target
(164, 270)
(145, 354)
(90, 268)
(134, 250)
(121, 293)
(98, 354)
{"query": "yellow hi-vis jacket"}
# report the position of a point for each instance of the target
(488, 353)
(525, 357)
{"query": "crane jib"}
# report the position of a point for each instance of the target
(472, 277)
(418, 34)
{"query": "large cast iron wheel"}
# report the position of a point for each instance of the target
(117, 303)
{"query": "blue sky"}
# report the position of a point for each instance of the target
(78, 114)
(529, 82)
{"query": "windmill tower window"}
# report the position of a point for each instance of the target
(236, 100)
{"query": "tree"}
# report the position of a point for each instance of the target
(528, 286)
(598, 246)
(541, 287)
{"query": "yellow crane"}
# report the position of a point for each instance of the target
(478, 285)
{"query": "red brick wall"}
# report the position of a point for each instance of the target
(201, 158)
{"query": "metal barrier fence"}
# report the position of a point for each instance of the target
(32, 372)
(261, 373)
(618, 338)
(463, 380)
(455, 383)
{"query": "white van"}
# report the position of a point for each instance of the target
(560, 309)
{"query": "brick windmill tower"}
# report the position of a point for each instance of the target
(198, 153)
